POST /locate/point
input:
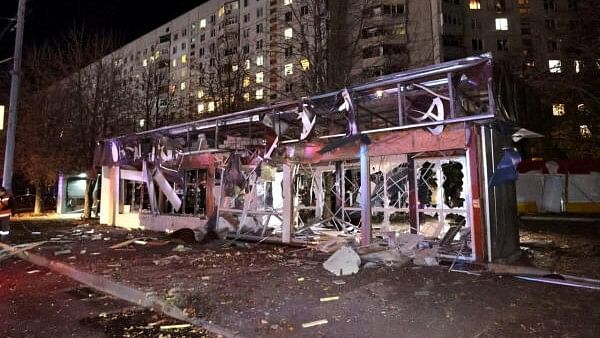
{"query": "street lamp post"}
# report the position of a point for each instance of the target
(14, 96)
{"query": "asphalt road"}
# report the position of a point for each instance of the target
(270, 291)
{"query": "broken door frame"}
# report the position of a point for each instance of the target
(441, 209)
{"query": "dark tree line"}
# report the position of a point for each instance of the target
(72, 96)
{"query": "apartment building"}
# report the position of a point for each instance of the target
(225, 56)
(523, 30)
(228, 55)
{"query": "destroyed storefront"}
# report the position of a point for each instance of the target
(410, 153)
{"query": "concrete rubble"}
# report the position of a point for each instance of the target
(345, 261)
(406, 243)
(426, 257)
(399, 250)
(391, 257)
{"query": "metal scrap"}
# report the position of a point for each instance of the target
(314, 323)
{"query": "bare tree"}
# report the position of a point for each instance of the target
(40, 128)
(99, 99)
(74, 98)
(224, 84)
(154, 98)
(570, 85)
(319, 44)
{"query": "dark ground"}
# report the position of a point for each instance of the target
(269, 291)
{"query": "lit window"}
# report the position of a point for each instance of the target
(501, 24)
(203, 23)
(578, 65)
(259, 94)
(200, 108)
(581, 107)
(246, 97)
(142, 123)
(259, 77)
(145, 62)
(287, 2)
(211, 106)
(288, 69)
(558, 109)
(200, 94)
(585, 131)
(182, 86)
(259, 60)
(305, 64)
(234, 68)
(247, 64)
(288, 33)
(221, 11)
(246, 82)
(475, 4)
(174, 62)
(554, 66)
(184, 58)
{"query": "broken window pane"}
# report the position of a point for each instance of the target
(453, 184)
(427, 185)
(397, 186)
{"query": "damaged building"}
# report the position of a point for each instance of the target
(425, 152)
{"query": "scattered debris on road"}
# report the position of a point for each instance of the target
(62, 252)
(174, 327)
(314, 323)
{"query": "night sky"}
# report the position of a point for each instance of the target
(125, 19)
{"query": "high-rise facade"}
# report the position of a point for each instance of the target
(225, 55)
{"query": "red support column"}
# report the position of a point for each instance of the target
(477, 224)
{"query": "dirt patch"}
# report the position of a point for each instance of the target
(566, 247)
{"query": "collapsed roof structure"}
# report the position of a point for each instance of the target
(412, 152)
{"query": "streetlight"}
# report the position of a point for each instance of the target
(7, 175)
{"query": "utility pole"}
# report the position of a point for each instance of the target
(14, 97)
